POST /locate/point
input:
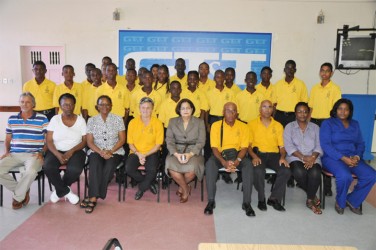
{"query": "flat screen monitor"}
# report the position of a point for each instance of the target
(356, 52)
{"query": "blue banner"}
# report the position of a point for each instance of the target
(242, 51)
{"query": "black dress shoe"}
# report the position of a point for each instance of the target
(209, 208)
(291, 182)
(357, 211)
(262, 205)
(138, 195)
(338, 209)
(328, 192)
(227, 178)
(276, 205)
(239, 179)
(248, 209)
(153, 188)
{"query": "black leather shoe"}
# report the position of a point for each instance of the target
(338, 209)
(209, 208)
(262, 205)
(227, 178)
(328, 192)
(276, 205)
(153, 188)
(357, 211)
(239, 179)
(248, 209)
(138, 195)
(291, 183)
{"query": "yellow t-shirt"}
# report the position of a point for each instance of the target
(167, 111)
(248, 104)
(198, 98)
(269, 93)
(119, 96)
(322, 99)
(144, 138)
(267, 139)
(236, 136)
(235, 88)
(89, 99)
(76, 91)
(217, 99)
(287, 95)
(43, 93)
(208, 85)
(138, 95)
(183, 81)
(162, 90)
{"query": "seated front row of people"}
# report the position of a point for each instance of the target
(263, 139)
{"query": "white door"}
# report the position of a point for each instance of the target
(52, 56)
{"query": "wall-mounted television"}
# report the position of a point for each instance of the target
(356, 52)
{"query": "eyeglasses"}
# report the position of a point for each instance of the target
(146, 99)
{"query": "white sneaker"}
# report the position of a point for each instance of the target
(72, 198)
(54, 198)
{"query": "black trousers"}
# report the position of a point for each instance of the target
(308, 179)
(211, 170)
(271, 160)
(151, 166)
(101, 172)
(207, 148)
(74, 169)
(284, 117)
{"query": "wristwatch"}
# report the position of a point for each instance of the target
(239, 159)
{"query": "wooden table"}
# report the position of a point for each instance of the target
(224, 246)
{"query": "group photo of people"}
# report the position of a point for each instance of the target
(185, 127)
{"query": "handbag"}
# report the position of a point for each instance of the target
(229, 154)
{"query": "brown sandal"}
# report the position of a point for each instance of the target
(311, 205)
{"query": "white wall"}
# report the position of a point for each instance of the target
(86, 29)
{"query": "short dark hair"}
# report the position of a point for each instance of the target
(111, 65)
(104, 97)
(154, 66)
(203, 63)
(251, 73)
(290, 62)
(40, 63)
(68, 66)
(267, 68)
(304, 104)
(194, 72)
(230, 69)
(90, 65)
(327, 64)
(67, 96)
(333, 112)
(178, 106)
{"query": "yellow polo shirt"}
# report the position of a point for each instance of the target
(217, 99)
(208, 85)
(269, 93)
(287, 95)
(85, 83)
(198, 98)
(145, 137)
(248, 104)
(322, 99)
(121, 80)
(119, 96)
(138, 95)
(162, 90)
(90, 99)
(183, 81)
(267, 139)
(76, 91)
(167, 111)
(236, 136)
(235, 88)
(43, 93)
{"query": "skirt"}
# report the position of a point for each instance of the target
(195, 164)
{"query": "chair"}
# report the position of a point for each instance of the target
(113, 244)
(39, 178)
(142, 170)
(119, 177)
(202, 188)
(322, 194)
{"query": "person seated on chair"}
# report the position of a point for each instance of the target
(185, 139)
(24, 146)
(229, 143)
(66, 139)
(343, 146)
(267, 151)
(145, 138)
(302, 144)
(105, 138)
